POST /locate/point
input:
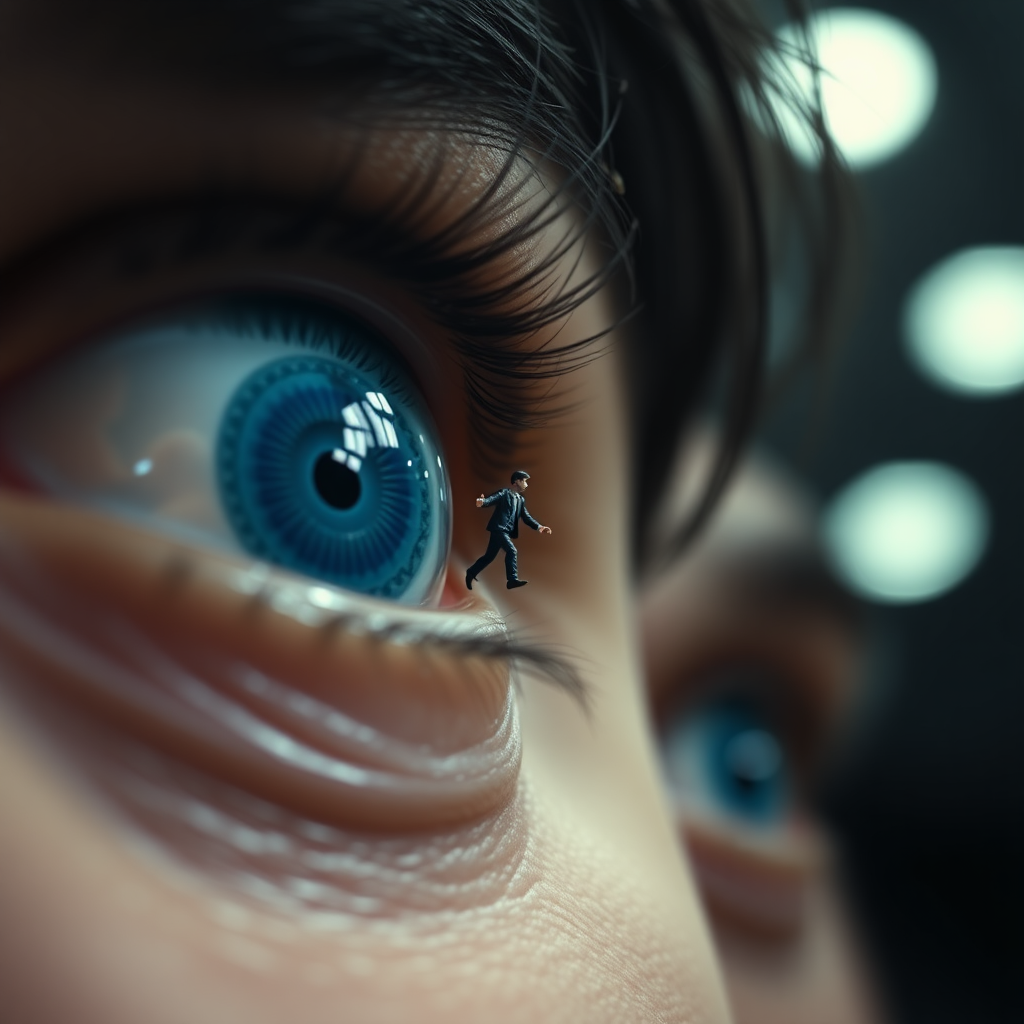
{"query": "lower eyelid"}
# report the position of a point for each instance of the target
(759, 885)
(416, 742)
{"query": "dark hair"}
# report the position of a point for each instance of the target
(519, 474)
(641, 103)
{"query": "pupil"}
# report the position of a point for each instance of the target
(335, 482)
(744, 782)
(753, 759)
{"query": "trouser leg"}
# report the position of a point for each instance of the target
(510, 555)
(494, 545)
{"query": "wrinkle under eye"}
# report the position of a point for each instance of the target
(178, 695)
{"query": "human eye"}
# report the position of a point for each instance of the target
(738, 747)
(270, 424)
(728, 759)
(225, 526)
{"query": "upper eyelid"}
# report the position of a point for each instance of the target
(406, 341)
(782, 690)
(486, 330)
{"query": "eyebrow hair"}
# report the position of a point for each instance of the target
(458, 43)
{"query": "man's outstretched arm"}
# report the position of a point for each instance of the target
(530, 521)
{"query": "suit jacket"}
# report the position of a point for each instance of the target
(510, 506)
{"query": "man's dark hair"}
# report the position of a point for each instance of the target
(520, 474)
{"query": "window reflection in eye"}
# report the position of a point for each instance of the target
(277, 425)
(725, 757)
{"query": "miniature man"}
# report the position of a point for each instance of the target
(510, 505)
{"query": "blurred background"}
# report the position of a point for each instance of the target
(918, 456)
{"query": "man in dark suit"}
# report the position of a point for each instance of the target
(509, 507)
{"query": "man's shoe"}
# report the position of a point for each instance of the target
(512, 584)
(469, 580)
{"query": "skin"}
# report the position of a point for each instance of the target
(564, 894)
(771, 891)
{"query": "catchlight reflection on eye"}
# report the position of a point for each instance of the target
(906, 531)
(878, 83)
(963, 321)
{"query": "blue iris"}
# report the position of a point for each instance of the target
(725, 756)
(326, 467)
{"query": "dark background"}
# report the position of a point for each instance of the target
(930, 809)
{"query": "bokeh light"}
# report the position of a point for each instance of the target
(906, 531)
(878, 83)
(963, 321)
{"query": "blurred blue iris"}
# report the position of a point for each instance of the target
(725, 756)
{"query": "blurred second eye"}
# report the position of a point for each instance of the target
(724, 758)
(277, 425)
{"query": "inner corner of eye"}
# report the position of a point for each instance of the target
(309, 445)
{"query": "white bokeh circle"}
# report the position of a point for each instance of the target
(878, 83)
(906, 531)
(963, 321)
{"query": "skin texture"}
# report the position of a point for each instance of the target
(771, 889)
(560, 895)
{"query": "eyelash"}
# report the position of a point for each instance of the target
(487, 327)
(498, 644)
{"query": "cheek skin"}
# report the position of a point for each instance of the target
(127, 946)
(597, 779)
(817, 976)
